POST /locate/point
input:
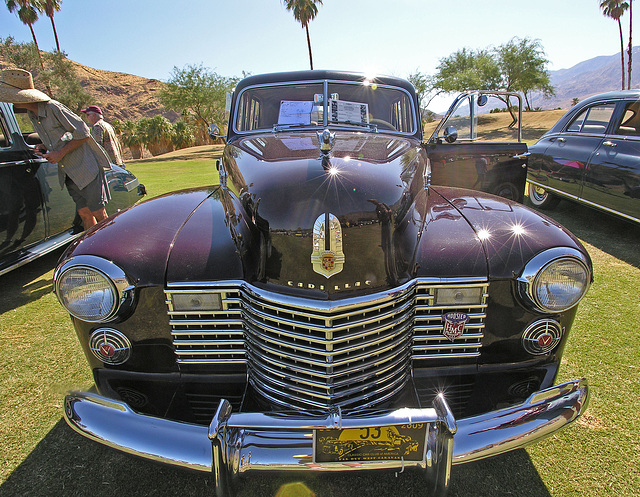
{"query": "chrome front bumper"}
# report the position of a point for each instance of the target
(239, 444)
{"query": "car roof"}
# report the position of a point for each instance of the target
(619, 94)
(320, 75)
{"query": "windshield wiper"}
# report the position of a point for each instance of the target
(282, 127)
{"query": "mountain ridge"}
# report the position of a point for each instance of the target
(589, 77)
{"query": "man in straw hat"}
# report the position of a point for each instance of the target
(66, 141)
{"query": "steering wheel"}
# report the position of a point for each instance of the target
(382, 124)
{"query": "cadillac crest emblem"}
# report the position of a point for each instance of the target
(327, 256)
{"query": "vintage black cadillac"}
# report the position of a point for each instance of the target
(326, 306)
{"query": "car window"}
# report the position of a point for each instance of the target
(264, 107)
(24, 123)
(630, 122)
(366, 105)
(594, 120)
(5, 136)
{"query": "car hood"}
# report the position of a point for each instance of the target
(281, 195)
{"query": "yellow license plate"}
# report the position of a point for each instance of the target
(384, 443)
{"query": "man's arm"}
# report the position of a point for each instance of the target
(56, 156)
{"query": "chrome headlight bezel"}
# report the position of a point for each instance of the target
(118, 283)
(530, 279)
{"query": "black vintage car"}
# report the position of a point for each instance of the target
(36, 215)
(591, 156)
(324, 295)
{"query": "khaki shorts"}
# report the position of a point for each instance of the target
(92, 196)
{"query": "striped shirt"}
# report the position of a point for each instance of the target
(104, 134)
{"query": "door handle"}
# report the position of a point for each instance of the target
(610, 144)
(562, 139)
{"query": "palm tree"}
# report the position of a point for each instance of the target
(630, 49)
(614, 9)
(304, 11)
(51, 7)
(28, 13)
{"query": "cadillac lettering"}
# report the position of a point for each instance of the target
(334, 301)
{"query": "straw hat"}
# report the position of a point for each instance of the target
(16, 87)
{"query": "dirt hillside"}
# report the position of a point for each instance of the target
(123, 96)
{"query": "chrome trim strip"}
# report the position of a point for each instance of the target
(583, 201)
(41, 249)
(246, 443)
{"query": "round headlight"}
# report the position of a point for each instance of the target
(90, 288)
(554, 282)
(87, 294)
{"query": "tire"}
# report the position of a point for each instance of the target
(541, 198)
(508, 190)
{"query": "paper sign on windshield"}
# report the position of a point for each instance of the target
(343, 111)
(295, 112)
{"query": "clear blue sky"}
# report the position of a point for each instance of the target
(148, 38)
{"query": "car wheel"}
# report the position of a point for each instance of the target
(508, 190)
(541, 198)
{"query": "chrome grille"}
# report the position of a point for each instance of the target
(304, 353)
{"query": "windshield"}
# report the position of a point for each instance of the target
(319, 104)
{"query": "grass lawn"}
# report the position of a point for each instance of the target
(598, 456)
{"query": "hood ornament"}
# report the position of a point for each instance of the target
(327, 256)
(326, 139)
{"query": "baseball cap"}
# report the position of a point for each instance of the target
(92, 108)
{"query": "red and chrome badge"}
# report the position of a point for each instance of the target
(454, 323)
(328, 261)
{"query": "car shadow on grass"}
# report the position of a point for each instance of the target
(67, 464)
(611, 234)
(28, 283)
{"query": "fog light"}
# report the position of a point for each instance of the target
(110, 346)
(542, 336)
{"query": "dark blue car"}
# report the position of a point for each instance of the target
(591, 156)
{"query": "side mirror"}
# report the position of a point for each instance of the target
(450, 134)
(482, 100)
(214, 131)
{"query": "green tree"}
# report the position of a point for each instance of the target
(131, 138)
(182, 136)
(304, 11)
(156, 134)
(615, 9)
(424, 87)
(61, 75)
(468, 70)
(50, 7)
(198, 91)
(27, 12)
(58, 77)
(522, 64)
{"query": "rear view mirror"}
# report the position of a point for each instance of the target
(450, 134)
(214, 131)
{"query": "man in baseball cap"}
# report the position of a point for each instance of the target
(104, 134)
(66, 141)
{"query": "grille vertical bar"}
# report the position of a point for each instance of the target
(303, 353)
